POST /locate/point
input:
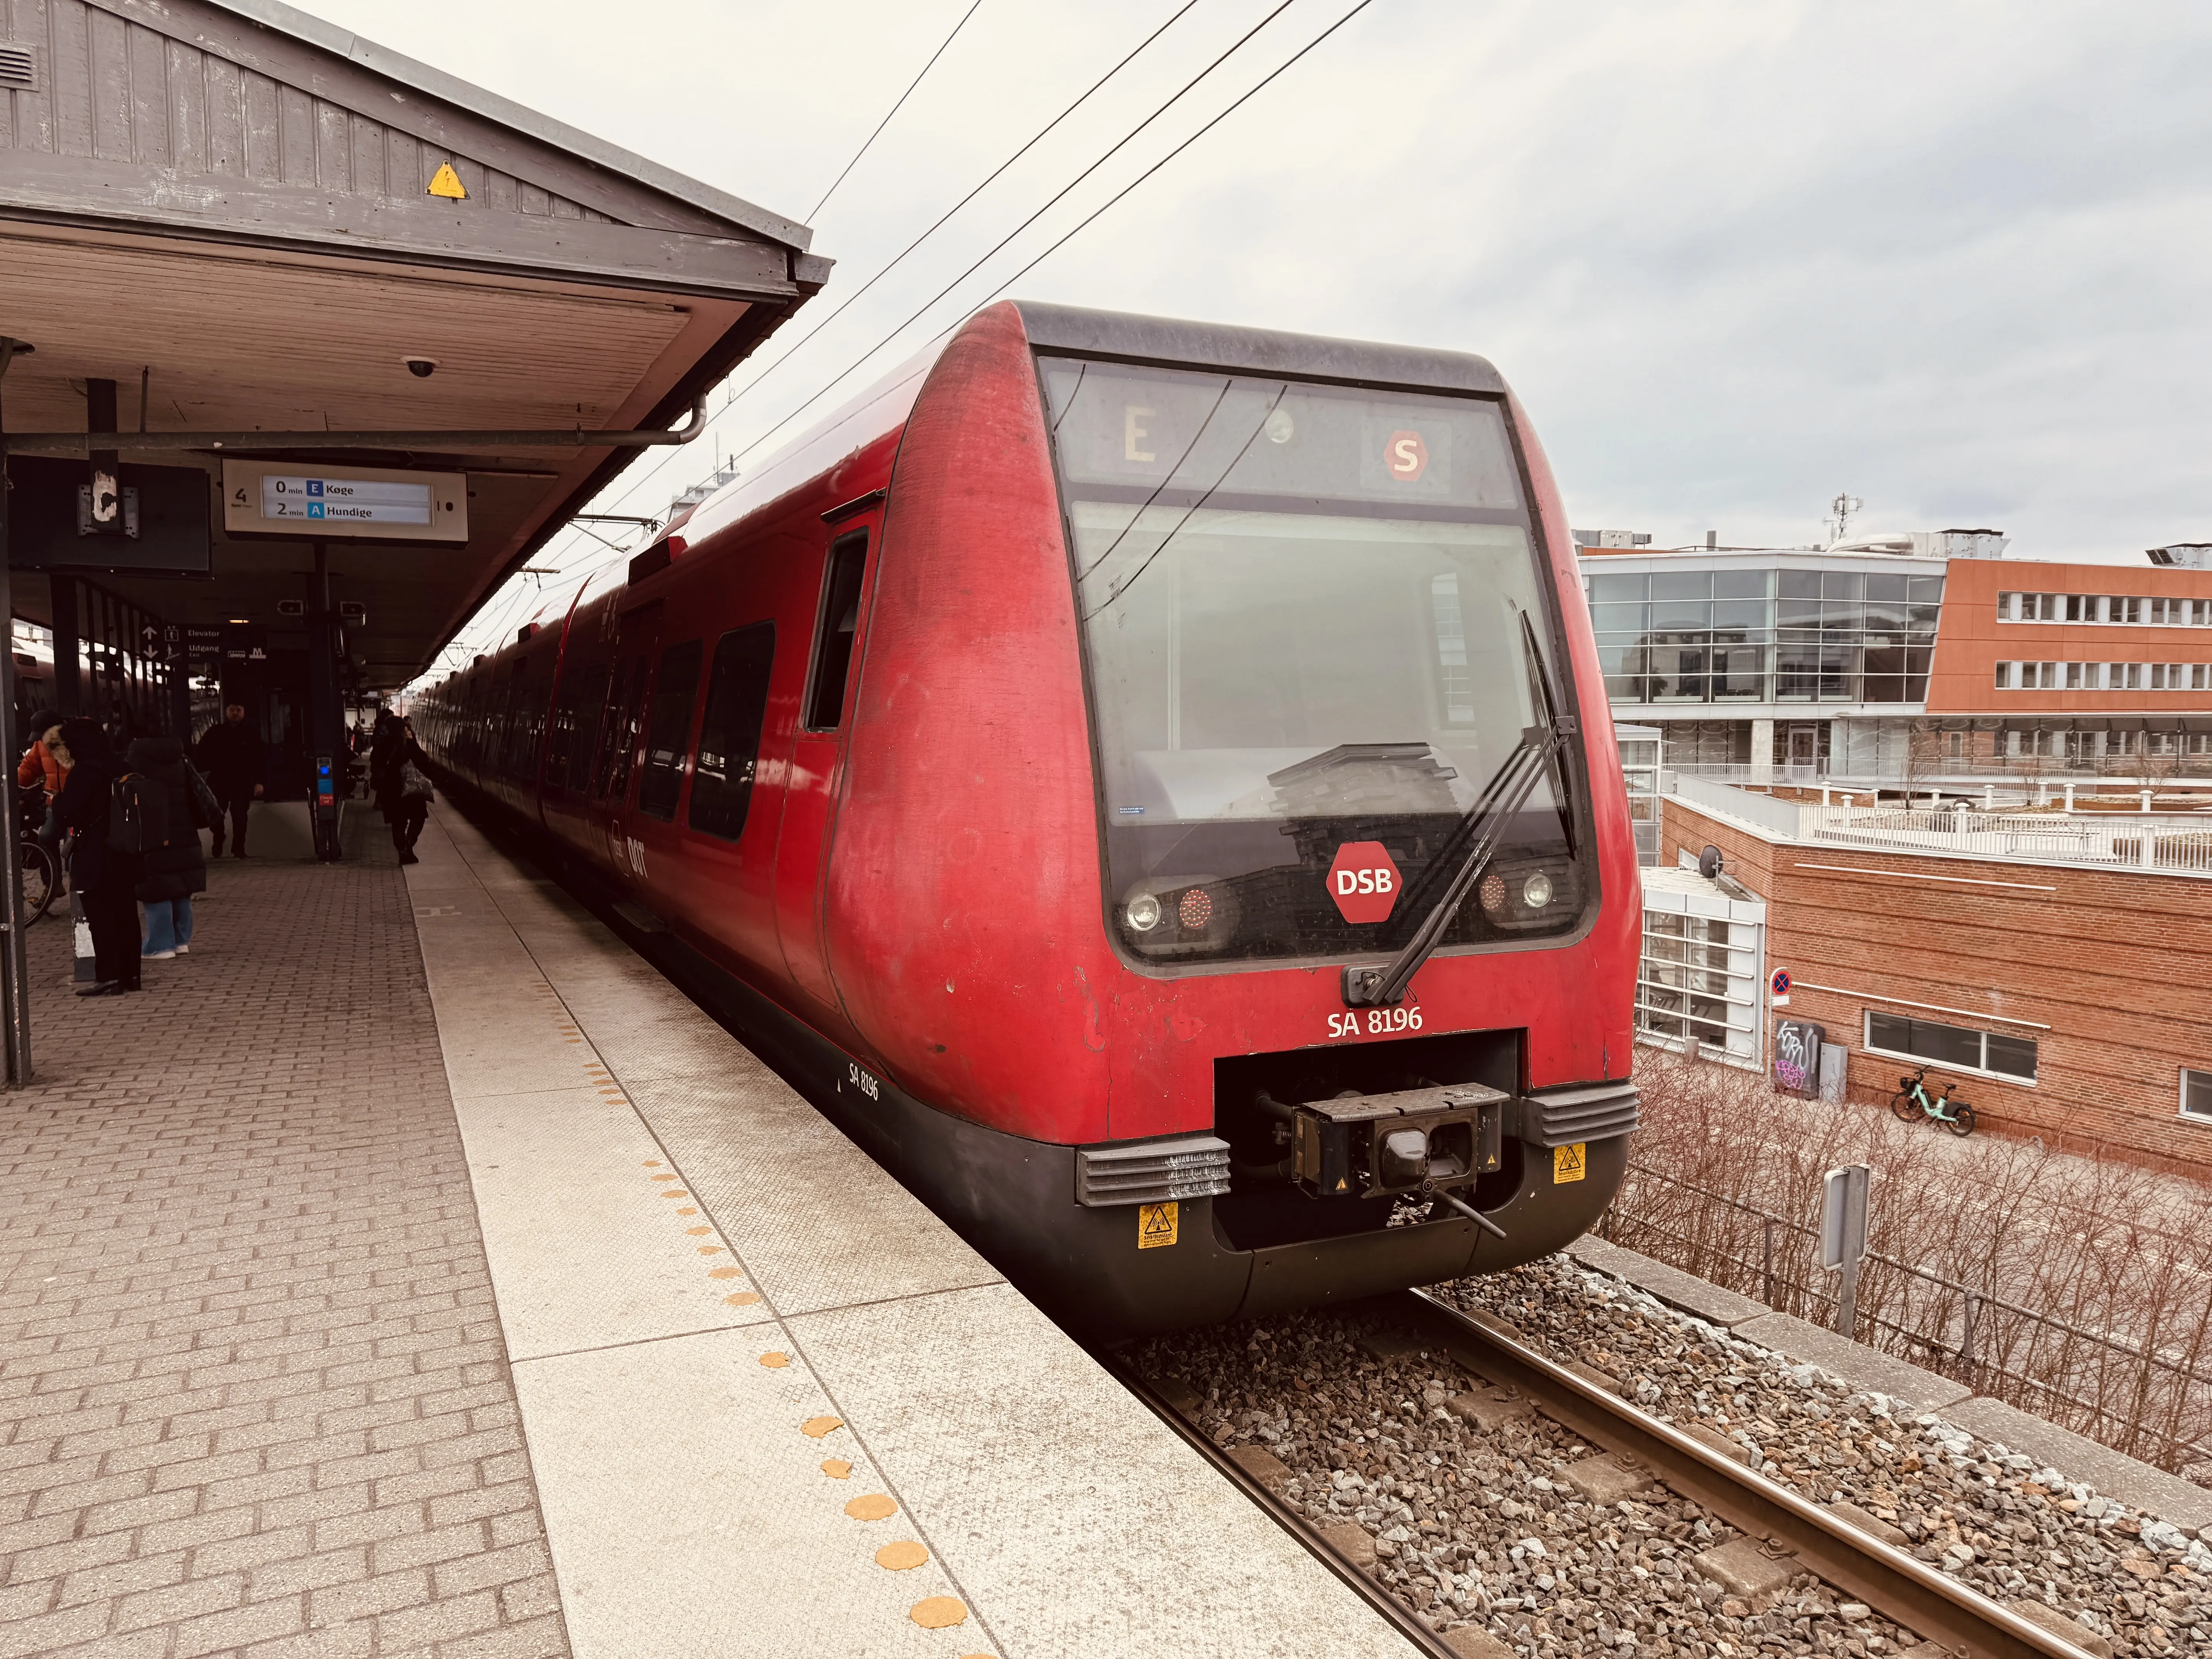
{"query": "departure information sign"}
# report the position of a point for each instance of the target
(358, 500)
(284, 498)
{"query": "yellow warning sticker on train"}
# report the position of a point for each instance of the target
(1568, 1164)
(1156, 1225)
(446, 183)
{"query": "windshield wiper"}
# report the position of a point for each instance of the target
(1541, 751)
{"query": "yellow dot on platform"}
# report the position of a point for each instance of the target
(938, 1613)
(742, 1299)
(836, 1468)
(776, 1362)
(815, 1427)
(901, 1556)
(652, 1163)
(687, 1209)
(694, 1232)
(710, 1250)
(873, 1507)
(667, 1175)
(725, 1273)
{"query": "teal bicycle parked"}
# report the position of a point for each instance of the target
(1912, 1101)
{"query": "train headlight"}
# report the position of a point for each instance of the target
(1492, 893)
(1144, 913)
(1195, 910)
(1537, 891)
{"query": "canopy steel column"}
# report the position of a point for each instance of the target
(15, 975)
(325, 719)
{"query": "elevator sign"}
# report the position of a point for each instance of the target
(283, 498)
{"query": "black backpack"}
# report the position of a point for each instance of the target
(137, 815)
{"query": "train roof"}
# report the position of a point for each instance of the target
(1170, 341)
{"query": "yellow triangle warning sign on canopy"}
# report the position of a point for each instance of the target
(447, 183)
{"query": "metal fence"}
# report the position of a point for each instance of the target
(2167, 844)
(2147, 1395)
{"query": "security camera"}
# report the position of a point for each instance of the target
(420, 368)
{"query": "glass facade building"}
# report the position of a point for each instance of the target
(1739, 635)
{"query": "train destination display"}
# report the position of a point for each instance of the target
(283, 498)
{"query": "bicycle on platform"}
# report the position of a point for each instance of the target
(1913, 1101)
(41, 876)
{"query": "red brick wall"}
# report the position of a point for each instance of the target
(2116, 965)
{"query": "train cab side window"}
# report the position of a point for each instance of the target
(833, 640)
(621, 730)
(591, 696)
(730, 731)
(668, 730)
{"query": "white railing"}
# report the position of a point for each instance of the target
(2169, 844)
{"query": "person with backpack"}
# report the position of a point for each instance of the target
(103, 866)
(175, 869)
(406, 790)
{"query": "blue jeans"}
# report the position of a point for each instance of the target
(168, 924)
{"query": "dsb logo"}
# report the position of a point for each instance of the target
(1364, 880)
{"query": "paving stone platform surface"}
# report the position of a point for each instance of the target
(255, 1395)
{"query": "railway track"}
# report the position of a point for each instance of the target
(1798, 1535)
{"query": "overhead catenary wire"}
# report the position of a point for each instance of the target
(647, 477)
(894, 110)
(1062, 242)
(1081, 225)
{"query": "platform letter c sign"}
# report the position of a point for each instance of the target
(1406, 456)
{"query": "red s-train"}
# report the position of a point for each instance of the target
(1151, 785)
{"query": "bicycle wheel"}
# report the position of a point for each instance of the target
(1904, 1105)
(1960, 1118)
(39, 880)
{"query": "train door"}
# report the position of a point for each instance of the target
(637, 633)
(802, 850)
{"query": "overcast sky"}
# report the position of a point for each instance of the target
(1736, 258)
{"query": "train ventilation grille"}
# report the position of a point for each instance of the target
(1152, 1171)
(1585, 1111)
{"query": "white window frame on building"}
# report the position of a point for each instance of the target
(1702, 972)
(1936, 1064)
(2195, 1095)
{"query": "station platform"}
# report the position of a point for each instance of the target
(412, 1268)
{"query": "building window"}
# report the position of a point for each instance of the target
(2004, 676)
(1954, 1046)
(2197, 1094)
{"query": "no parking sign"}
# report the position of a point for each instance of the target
(1780, 987)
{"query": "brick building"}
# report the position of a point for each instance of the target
(2065, 1001)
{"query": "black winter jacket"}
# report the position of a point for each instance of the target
(178, 868)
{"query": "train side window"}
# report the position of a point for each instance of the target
(668, 730)
(833, 639)
(621, 730)
(730, 731)
(584, 726)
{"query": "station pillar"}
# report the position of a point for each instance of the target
(326, 754)
(15, 977)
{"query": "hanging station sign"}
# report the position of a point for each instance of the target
(332, 503)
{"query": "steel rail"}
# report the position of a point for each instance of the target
(1936, 1605)
(1394, 1611)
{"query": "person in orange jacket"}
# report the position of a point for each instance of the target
(39, 767)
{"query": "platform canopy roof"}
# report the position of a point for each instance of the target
(258, 218)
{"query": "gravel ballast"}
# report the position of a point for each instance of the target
(1484, 1513)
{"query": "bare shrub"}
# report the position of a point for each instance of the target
(2072, 1286)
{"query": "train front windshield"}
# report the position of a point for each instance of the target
(1303, 610)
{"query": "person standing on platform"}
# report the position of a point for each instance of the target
(106, 880)
(175, 870)
(383, 764)
(407, 770)
(40, 769)
(237, 765)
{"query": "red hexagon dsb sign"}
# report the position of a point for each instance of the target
(1364, 881)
